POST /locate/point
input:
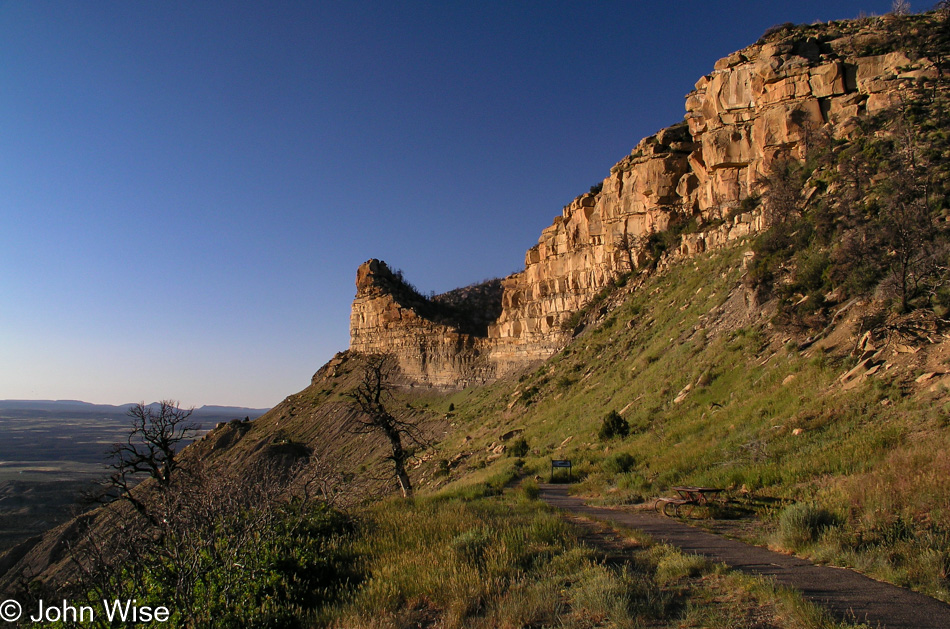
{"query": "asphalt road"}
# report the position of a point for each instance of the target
(846, 594)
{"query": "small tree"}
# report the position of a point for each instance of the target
(900, 7)
(149, 449)
(916, 254)
(375, 384)
(783, 191)
(614, 426)
(520, 447)
(628, 245)
(914, 258)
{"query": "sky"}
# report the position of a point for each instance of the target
(187, 188)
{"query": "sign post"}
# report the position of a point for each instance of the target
(561, 463)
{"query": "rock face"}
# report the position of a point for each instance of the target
(768, 99)
(388, 316)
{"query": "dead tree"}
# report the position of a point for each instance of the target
(370, 396)
(628, 245)
(150, 450)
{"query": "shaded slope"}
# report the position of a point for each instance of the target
(309, 434)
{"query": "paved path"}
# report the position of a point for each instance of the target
(846, 594)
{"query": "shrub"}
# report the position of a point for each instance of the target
(778, 28)
(519, 447)
(280, 561)
(614, 426)
(803, 523)
(619, 463)
(470, 546)
(527, 396)
(530, 489)
(676, 566)
(442, 468)
(564, 382)
(747, 204)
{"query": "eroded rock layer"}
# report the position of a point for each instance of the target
(768, 99)
(388, 316)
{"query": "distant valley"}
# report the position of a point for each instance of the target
(75, 408)
(52, 450)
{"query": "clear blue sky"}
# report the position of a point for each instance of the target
(187, 188)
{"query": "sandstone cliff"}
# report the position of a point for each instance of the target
(698, 179)
(434, 348)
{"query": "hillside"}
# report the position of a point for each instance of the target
(756, 345)
(760, 293)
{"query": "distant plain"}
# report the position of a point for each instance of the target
(50, 459)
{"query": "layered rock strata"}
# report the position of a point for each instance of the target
(770, 98)
(388, 316)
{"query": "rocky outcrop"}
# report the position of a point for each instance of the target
(597, 237)
(695, 178)
(776, 97)
(389, 316)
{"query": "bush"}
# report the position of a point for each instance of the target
(747, 205)
(441, 468)
(776, 29)
(519, 447)
(527, 396)
(530, 489)
(565, 382)
(614, 426)
(279, 561)
(676, 566)
(470, 546)
(803, 523)
(619, 463)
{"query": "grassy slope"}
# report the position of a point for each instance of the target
(509, 562)
(464, 557)
(763, 419)
(867, 465)
(715, 396)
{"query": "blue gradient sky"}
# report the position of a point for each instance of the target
(187, 188)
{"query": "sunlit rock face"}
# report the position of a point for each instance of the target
(388, 316)
(771, 98)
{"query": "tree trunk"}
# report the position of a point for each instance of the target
(403, 477)
(399, 460)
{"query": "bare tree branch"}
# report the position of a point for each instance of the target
(377, 376)
(150, 450)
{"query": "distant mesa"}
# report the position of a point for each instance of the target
(76, 408)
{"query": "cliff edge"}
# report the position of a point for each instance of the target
(690, 188)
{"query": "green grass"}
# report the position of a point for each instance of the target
(507, 561)
(765, 421)
(478, 563)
